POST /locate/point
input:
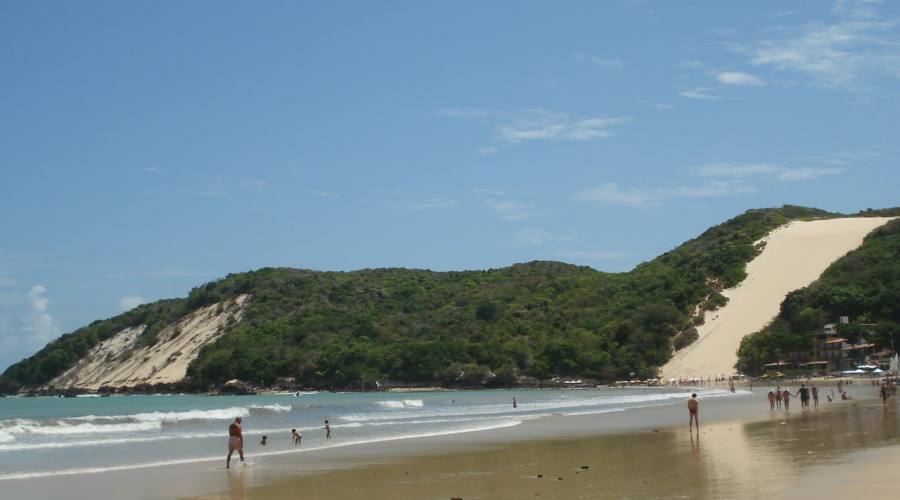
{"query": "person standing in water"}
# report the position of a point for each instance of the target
(771, 399)
(693, 412)
(327, 430)
(778, 397)
(297, 437)
(884, 393)
(515, 405)
(803, 392)
(235, 441)
(815, 395)
(786, 395)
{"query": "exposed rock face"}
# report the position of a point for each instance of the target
(121, 362)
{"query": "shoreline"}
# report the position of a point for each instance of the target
(355, 463)
(570, 461)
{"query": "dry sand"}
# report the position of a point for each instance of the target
(795, 255)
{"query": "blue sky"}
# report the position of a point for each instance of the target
(148, 147)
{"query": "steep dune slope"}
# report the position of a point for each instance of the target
(121, 362)
(795, 255)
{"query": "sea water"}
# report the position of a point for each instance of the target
(48, 436)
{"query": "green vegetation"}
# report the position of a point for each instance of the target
(541, 319)
(864, 285)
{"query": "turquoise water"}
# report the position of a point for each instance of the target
(46, 436)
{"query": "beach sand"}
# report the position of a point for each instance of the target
(795, 255)
(742, 451)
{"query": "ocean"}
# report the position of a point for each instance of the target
(47, 436)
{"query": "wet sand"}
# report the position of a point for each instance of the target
(742, 451)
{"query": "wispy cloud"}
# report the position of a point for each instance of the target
(321, 194)
(534, 237)
(612, 194)
(129, 302)
(537, 124)
(41, 327)
(251, 184)
(465, 112)
(154, 170)
(502, 204)
(763, 170)
(739, 78)
(701, 93)
(851, 52)
(606, 62)
(509, 209)
(427, 203)
(541, 124)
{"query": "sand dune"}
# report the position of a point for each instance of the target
(795, 255)
(120, 361)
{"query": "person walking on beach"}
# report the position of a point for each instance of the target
(815, 395)
(884, 393)
(778, 397)
(693, 412)
(327, 430)
(771, 399)
(803, 392)
(786, 396)
(235, 441)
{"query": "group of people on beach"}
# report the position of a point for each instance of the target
(778, 397)
(236, 439)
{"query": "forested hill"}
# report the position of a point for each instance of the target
(351, 329)
(863, 285)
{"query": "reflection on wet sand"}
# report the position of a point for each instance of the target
(723, 460)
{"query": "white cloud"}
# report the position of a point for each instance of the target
(464, 112)
(428, 203)
(738, 78)
(321, 194)
(851, 52)
(700, 93)
(40, 326)
(540, 124)
(510, 210)
(129, 302)
(610, 193)
(487, 150)
(763, 170)
(537, 237)
(536, 124)
(606, 62)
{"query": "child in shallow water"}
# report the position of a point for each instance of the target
(262, 442)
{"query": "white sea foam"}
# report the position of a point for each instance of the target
(163, 463)
(400, 404)
(136, 422)
(6, 437)
(63, 428)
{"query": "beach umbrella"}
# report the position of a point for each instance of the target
(878, 370)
